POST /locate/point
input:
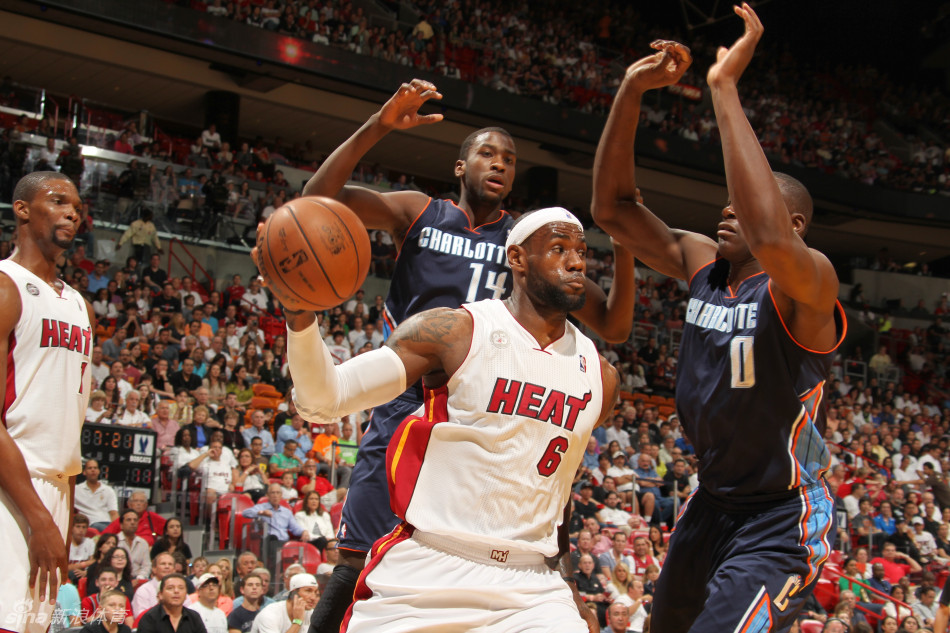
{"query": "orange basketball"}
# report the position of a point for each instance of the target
(314, 253)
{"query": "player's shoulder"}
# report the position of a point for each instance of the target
(10, 299)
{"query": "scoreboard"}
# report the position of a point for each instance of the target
(126, 455)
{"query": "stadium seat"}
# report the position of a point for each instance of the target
(299, 552)
(92, 532)
(231, 505)
(811, 626)
(335, 513)
(81, 587)
(262, 389)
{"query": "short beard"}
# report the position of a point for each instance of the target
(553, 297)
(61, 243)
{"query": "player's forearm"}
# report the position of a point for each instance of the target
(16, 482)
(615, 185)
(338, 167)
(755, 196)
(622, 297)
(323, 390)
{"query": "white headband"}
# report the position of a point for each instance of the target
(536, 219)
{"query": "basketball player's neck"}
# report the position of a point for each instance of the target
(742, 270)
(546, 325)
(38, 260)
(479, 211)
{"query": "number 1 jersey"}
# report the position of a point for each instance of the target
(750, 396)
(48, 379)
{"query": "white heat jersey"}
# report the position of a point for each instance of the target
(491, 456)
(48, 379)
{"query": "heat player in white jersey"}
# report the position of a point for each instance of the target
(481, 473)
(46, 332)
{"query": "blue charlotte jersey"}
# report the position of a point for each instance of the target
(445, 262)
(749, 396)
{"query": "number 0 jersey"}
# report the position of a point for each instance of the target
(48, 380)
(445, 262)
(748, 395)
(491, 456)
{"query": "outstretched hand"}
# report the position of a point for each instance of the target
(663, 68)
(401, 112)
(731, 62)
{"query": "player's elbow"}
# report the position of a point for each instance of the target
(616, 333)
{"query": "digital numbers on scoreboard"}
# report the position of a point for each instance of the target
(126, 455)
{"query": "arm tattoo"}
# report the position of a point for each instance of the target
(429, 327)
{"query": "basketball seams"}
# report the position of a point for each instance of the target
(274, 266)
(356, 249)
(316, 257)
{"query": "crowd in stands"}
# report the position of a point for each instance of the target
(816, 114)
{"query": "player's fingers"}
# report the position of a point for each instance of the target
(431, 94)
(429, 118)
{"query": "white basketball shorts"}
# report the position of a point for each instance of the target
(20, 608)
(409, 585)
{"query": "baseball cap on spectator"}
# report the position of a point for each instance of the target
(587, 484)
(618, 454)
(302, 580)
(205, 578)
(917, 520)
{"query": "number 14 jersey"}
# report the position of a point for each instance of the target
(491, 456)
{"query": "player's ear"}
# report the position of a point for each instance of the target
(799, 224)
(517, 257)
(459, 168)
(21, 209)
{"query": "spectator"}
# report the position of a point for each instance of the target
(209, 589)
(589, 586)
(211, 139)
(926, 608)
(257, 430)
(150, 525)
(280, 520)
(95, 499)
(172, 541)
(248, 477)
(615, 556)
(82, 549)
(297, 431)
(252, 594)
(618, 618)
(291, 571)
(108, 611)
(163, 424)
(143, 234)
(296, 609)
(285, 462)
(130, 414)
(894, 570)
(315, 520)
(118, 559)
(146, 596)
(135, 546)
(171, 598)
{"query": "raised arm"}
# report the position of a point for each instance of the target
(392, 212)
(762, 206)
(431, 344)
(48, 550)
(611, 315)
(615, 206)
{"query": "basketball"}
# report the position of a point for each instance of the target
(313, 253)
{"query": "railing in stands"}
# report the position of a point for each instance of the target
(876, 595)
(194, 266)
(860, 457)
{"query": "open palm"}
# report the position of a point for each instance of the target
(732, 62)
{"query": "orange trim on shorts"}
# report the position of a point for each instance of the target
(763, 602)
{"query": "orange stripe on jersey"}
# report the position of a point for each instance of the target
(379, 549)
(10, 387)
(404, 456)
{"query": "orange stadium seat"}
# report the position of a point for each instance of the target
(231, 504)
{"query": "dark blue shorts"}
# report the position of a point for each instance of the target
(367, 516)
(743, 570)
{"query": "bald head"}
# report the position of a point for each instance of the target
(31, 184)
(796, 197)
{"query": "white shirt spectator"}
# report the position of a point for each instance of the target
(217, 474)
(95, 505)
(274, 619)
(214, 618)
(616, 471)
(316, 524)
(211, 139)
(929, 459)
(256, 299)
(181, 456)
(132, 418)
(620, 435)
(83, 551)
